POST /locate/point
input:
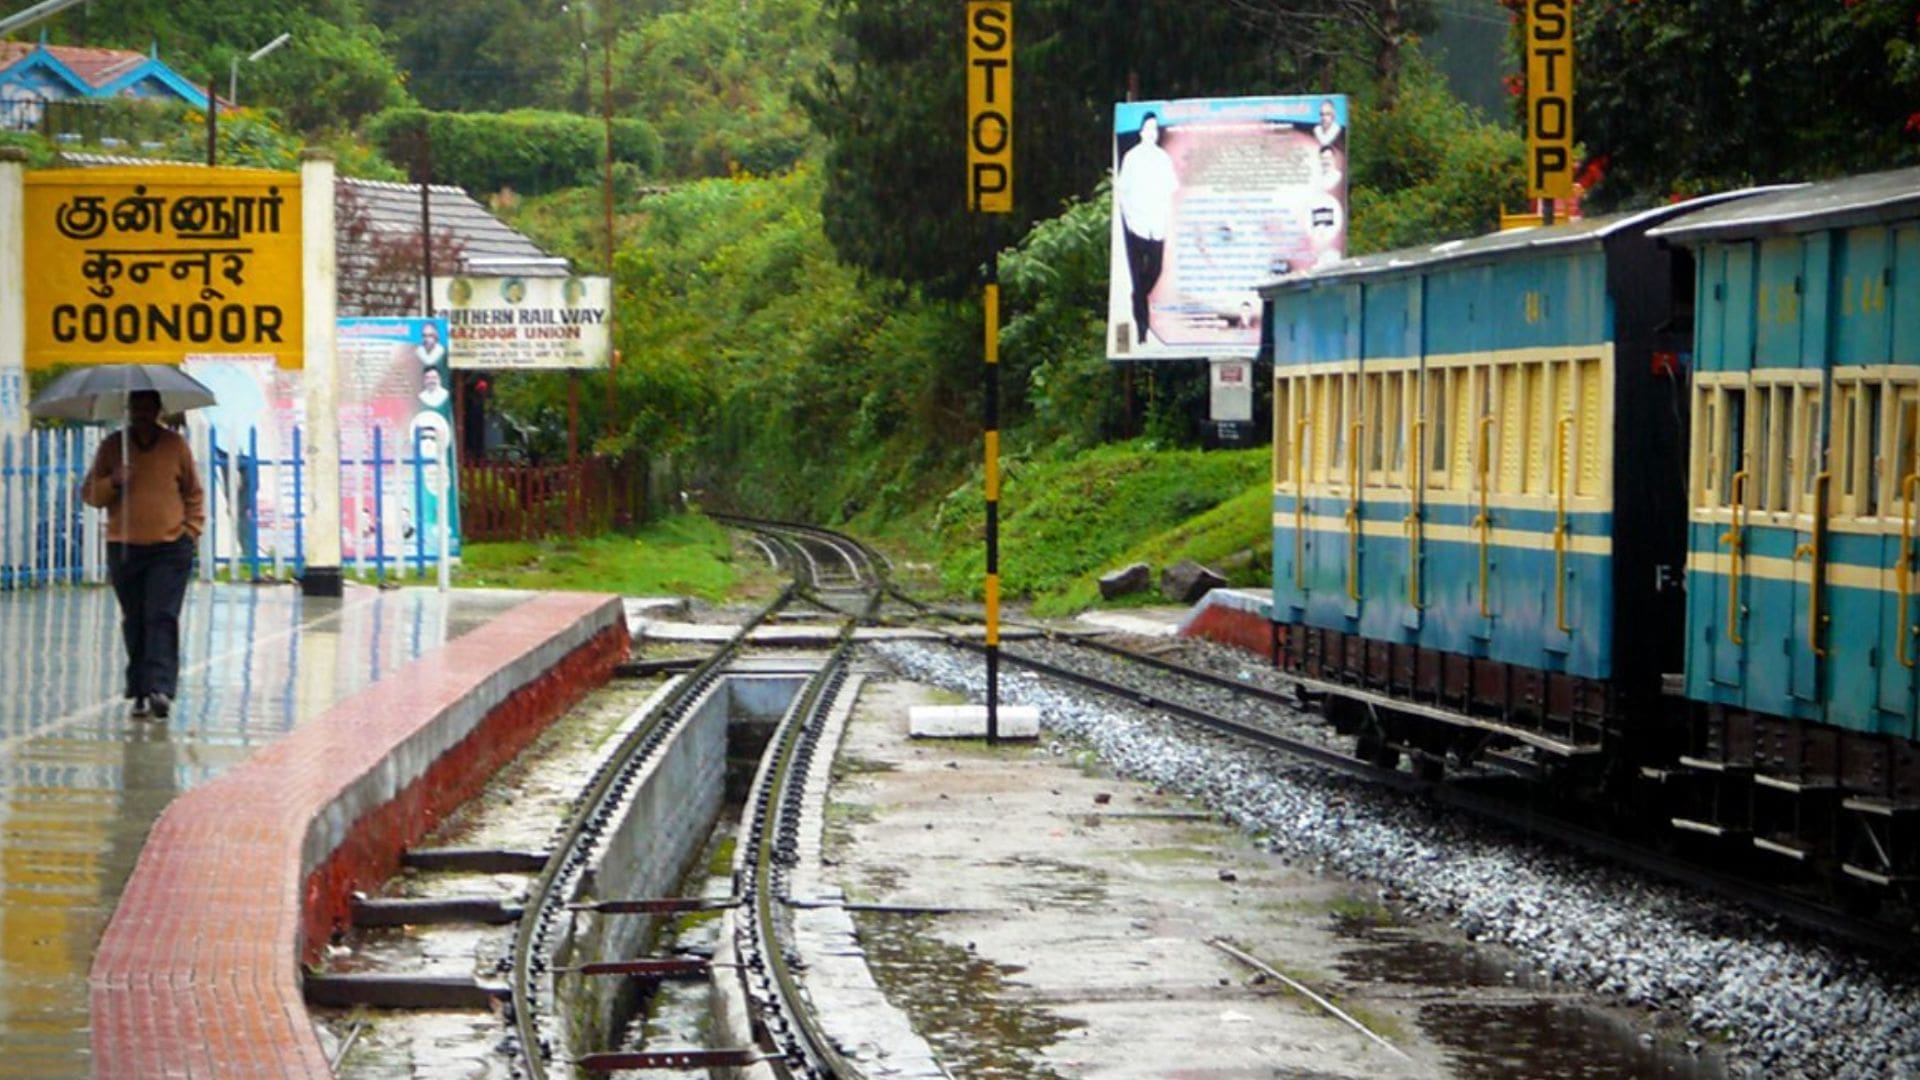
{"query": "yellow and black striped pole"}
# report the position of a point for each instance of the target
(991, 303)
(990, 191)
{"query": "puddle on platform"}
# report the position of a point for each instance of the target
(1519, 1030)
(959, 1002)
(1549, 1040)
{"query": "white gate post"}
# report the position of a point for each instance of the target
(321, 377)
(13, 338)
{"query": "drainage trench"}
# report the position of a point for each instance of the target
(675, 838)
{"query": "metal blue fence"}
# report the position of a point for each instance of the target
(47, 536)
(257, 513)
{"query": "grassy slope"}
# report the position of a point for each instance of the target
(682, 555)
(1067, 520)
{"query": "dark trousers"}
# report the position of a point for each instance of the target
(1144, 260)
(151, 582)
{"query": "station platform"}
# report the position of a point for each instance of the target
(160, 882)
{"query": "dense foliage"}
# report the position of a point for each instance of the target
(1704, 95)
(716, 77)
(332, 72)
(484, 55)
(894, 111)
(525, 151)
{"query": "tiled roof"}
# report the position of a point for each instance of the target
(395, 209)
(97, 67)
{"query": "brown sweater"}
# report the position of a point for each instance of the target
(163, 499)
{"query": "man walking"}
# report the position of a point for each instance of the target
(156, 509)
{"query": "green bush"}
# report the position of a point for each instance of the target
(528, 150)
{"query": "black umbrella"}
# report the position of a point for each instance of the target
(103, 392)
(100, 392)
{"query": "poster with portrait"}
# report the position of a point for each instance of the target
(527, 323)
(245, 444)
(1213, 198)
(395, 381)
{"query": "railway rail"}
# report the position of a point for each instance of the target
(1483, 794)
(789, 1038)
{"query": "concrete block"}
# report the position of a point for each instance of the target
(970, 722)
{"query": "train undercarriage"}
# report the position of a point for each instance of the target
(1792, 800)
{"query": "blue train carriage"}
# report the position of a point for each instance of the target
(1804, 475)
(1478, 523)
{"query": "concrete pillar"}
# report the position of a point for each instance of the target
(322, 376)
(13, 291)
(13, 347)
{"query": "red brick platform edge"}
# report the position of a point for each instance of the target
(198, 971)
(1231, 624)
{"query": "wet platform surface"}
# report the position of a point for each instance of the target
(81, 783)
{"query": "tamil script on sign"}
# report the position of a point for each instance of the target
(152, 263)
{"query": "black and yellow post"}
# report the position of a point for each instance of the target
(990, 301)
(990, 191)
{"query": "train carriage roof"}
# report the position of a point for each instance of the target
(1489, 247)
(1832, 204)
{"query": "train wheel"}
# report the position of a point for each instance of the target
(1372, 748)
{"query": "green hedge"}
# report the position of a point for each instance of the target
(528, 150)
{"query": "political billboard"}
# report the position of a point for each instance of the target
(1212, 198)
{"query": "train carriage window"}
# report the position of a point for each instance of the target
(1806, 440)
(1873, 451)
(1562, 462)
(1538, 424)
(1337, 423)
(1906, 442)
(1706, 448)
(1283, 431)
(1407, 386)
(1760, 469)
(1846, 452)
(1373, 427)
(1733, 445)
(1509, 432)
(1384, 419)
(1486, 436)
(1321, 433)
(1438, 384)
(1590, 429)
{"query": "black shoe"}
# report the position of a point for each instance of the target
(142, 708)
(161, 705)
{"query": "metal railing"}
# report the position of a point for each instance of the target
(530, 502)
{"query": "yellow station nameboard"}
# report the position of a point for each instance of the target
(151, 264)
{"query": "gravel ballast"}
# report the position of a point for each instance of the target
(1780, 1004)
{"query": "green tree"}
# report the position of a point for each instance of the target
(1700, 95)
(895, 113)
(716, 79)
(1428, 169)
(330, 74)
(484, 55)
(894, 108)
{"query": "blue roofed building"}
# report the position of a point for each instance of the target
(34, 74)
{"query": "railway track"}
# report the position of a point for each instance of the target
(1198, 697)
(790, 1041)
